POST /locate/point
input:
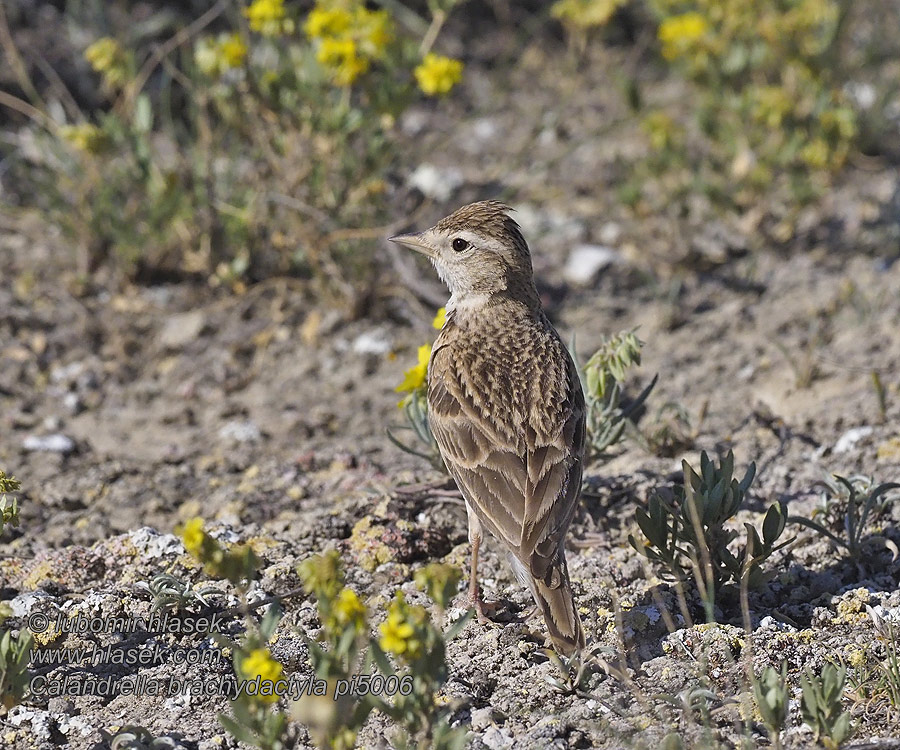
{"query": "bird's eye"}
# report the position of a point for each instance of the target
(459, 244)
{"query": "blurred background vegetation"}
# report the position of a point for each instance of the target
(233, 141)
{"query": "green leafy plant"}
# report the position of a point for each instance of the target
(134, 737)
(875, 677)
(685, 530)
(602, 378)
(170, 592)
(253, 720)
(414, 406)
(345, 655)
(772, 97)
(9, 509)
(772, 695)
(256, 150)
(821, 705)
(849, 505)
(14, 655)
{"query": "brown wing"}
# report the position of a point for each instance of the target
(513, 438)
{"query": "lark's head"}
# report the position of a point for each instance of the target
(478, 251)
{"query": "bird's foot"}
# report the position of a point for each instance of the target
(486, 612)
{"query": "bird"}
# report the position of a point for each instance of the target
(506, 407)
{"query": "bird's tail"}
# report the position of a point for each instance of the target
(553, 595)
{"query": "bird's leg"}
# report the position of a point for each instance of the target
(484, 610)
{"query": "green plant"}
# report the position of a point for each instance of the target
(259, 675)
(850, 504)
(170, 592)
(347, 656)
(772, 97)
(821, 705)
(257, 150)
(9, 510)
(772, 694)
(14, 656)
(134, 737)
(685, 529)
(878, 684)
(602, 378)
(415, 408)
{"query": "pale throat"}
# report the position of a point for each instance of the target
(467, 302)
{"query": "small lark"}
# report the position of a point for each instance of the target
(506, 406)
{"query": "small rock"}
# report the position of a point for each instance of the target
(610, 233)
(73, 403)
(372, 342)
(434, 182)
(850, 438)
(57, 443)
(240, 431)
(482, 718)
(181, 329)
(586, 261)
(484, 128)
(496, 740)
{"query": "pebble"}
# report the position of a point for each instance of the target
(496, 740)
(372, 342)
(57, 443)
(586, 261)
(241, 431)
(179, 330)
(439, 183)
(850, 438)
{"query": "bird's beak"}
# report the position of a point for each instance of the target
(413, 242)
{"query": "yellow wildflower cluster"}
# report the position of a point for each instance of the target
(763, 61)
(585, 14)
(662, 130)
(84, 137)
(193, 536)
(437, 74)
(237, 564)
(110, 59)
(414, 378)
(402, 632)
(259, 664)
(348, 610)
(269, 17)
(350, 37)
(440, 318)
(216, 56)
(679, 34)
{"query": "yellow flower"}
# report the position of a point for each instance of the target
(677, 33)
(661, 129)
(214, 57)
(815, 153)
(104, 54)
(259, 663)
(269, 17)
(192, 534)
(398, 632)
(437, 74)
(340, 56)
(585, 14)
(349, 610)
(85, 137)
(324, 22)
(234, 51)
(108, 58)
(414, 378)
(440, 318)
(375, 30)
